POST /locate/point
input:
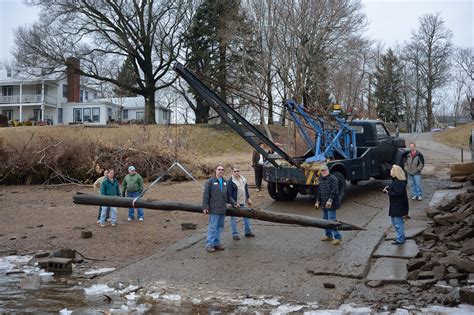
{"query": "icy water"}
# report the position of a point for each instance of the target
(28, 289)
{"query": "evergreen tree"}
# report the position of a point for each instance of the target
(217, 41)
(388, 88)
(126, 77)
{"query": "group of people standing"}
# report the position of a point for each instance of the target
(108, 185)
(218, 193)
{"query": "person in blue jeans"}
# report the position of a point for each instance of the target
(239, 191)
(414, 164)
(133, 186)
(398, 198)
(109, 187)
(214, 202)
(328, 197)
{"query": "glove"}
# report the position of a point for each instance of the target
(329, 203)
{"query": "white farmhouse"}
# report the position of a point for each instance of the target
(62, 99)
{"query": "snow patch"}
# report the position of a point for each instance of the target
(98, 271)
(172, 297)
(251, 302)
(272, 302)
(98, 289)
(287, 308)
(65, 311)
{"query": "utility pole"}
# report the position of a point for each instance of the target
(369, 100)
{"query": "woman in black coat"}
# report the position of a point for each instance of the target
(397, 192)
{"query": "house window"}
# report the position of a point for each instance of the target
(86, 96)
(96, 114)
(37, 115)
(65, 94)
(87, 115)
(8, 113)
(140, 116)
(81, 97)
(7, 90)
(95, 95)
(60, 115)
(125, 114)
(109, 113)
(77, 114)
(45, 90)
(9, 73)
(38, 89)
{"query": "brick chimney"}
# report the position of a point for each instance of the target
(73, 79)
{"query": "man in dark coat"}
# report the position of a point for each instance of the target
(257, 164)
(397, 194)
(328, 197)
(214, 202)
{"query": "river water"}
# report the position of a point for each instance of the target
(28, 289)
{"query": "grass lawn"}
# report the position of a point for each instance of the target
(457, 137)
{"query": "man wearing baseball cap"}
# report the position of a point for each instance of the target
(327, 196)
(133, 186)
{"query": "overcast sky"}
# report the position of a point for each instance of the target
(391, 21)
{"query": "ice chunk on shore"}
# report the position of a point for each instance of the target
(98, 289)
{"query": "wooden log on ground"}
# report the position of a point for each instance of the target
(257, 214)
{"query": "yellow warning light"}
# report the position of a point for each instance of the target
(337, 107)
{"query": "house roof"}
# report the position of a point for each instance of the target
(133, 103)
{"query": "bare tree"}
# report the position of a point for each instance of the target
(312, 34)
(102, 34)
(429, 52)
(464, 74)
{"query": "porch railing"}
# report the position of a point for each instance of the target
(27, 98)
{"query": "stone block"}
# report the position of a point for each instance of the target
(466, 295)
(407, 250)
(423, 275)
(388, 270)
(464, 265)
(462, 234)
(414, 264)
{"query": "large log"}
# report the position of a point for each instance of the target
(257, 214)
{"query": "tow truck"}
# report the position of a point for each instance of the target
(354, 150)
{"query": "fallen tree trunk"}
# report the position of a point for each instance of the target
(98, 200)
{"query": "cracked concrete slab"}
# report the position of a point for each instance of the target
(407, 250)
(388, 270)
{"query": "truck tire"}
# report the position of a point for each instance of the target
(342, 185)
(281, 192)
(271, 187)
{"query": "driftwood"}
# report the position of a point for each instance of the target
(257, 214)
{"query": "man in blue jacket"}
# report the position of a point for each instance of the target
(239, 191)
(214, 202)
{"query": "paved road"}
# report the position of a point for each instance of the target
(288, 261)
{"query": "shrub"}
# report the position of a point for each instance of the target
(3, 121)
(28, 123)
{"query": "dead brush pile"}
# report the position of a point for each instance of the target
(56, 158)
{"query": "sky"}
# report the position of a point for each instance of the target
(391, 21)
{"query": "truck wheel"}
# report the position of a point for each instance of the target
(285, 192)
(271, 187)
(342, 185)
(354, 182)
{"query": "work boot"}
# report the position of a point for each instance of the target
(336, 242)
(250, 235)
(210, 249)
(219, 247)
(326, 239)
